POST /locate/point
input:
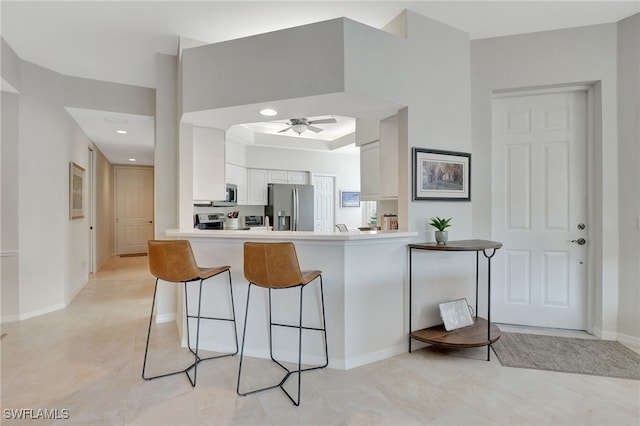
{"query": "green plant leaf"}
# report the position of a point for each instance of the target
(440, 223)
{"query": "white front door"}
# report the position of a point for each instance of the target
(134, 209)
(539, 207)
(324, 203)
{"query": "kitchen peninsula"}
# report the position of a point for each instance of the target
(365, 289)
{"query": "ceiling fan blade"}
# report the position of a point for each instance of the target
(284, 130)
(314, 129)
(323, 121)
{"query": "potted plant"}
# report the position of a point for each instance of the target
(441, 225)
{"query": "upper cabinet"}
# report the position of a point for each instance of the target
(208, 164)
(258, 179)
(370, 171)
(389, 158)
(238, 176)
(287, 176)
(379, 164)
(257, 187)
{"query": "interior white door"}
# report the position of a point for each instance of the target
(324, 203)
(539, 207)
(134, 209)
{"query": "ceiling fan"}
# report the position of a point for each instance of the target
(299, 125)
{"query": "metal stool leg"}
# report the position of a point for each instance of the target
(244, 338)
(146, 350)
(198, 317)
(232, 319)
(300, 327)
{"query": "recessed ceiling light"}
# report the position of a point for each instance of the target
(122, 132)
(268, 112)
(133, 160)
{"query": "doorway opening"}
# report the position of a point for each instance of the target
(134, 209)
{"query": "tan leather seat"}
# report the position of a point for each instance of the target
(275, 266)
(173, 261)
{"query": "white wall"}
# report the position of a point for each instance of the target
(210, 72)
(629, 176)
(52, 250)
(584, 54)
(9, 216)
(53, 263)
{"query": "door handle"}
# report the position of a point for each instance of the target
(580, 241)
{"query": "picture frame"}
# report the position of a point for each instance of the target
(455, 314)
(349, 199)
(76, 191)
(441, 175)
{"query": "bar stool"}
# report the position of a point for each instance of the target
(173, 261)
(275, 266)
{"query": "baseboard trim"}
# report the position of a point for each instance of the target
(334, 363)
(625, 339)
(165, 318)
(9, 318)
(604, 335)
(374, 356)
(42, 311)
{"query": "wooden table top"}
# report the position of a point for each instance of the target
(460, 245)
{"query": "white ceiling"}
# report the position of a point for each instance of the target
(117, 40)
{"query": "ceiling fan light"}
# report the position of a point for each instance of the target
(299, 128)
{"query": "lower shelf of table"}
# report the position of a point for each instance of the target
(472, 336)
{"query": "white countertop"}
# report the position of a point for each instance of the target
(288, 235)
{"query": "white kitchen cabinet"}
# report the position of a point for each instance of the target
(287, 176)
(299, 178)
(257, 187)
(389, 158)
(237, 175)
(208, 164)
(379, 164)
(370, 171)
(277, 176)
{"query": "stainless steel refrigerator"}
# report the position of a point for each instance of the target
(290, 207)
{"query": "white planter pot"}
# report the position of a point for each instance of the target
(442, 237)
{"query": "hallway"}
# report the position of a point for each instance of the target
(87, 360)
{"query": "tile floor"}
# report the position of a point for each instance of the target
(85, 361)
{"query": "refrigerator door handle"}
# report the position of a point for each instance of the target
(292, 227)
(295, 209)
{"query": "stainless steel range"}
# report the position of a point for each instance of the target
(210, 221)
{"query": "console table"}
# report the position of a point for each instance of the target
(482, 332)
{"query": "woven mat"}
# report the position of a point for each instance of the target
(567, 354)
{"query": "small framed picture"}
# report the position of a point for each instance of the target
(76, 191)
(441, 175)
(349, 199)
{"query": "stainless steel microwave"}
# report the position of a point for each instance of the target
(231, 196)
